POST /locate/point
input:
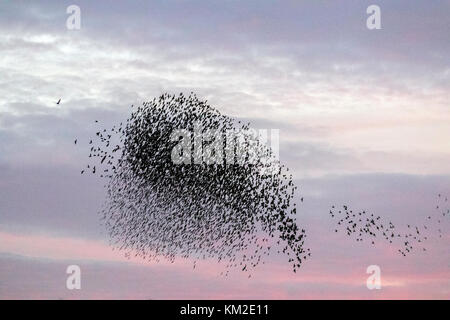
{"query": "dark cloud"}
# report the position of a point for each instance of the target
(313, 34)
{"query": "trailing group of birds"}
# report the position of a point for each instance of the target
(366, 226)
(232, 211)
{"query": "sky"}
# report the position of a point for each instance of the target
(364, 120)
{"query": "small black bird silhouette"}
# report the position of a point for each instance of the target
(75, 142)
(59, 101)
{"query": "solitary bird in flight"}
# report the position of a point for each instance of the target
(59, 101)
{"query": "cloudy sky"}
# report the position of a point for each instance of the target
(364, 120)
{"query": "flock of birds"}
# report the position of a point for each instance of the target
(366, 226)
(235, 213)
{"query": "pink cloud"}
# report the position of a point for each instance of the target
(320, 278)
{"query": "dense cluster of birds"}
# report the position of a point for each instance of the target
(235, 212)
(366, 226)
